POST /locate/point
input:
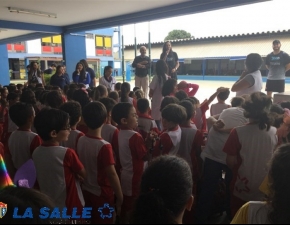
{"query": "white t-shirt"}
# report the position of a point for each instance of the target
(232, 117)
(257, 86)
(156, 98)
(108, 84)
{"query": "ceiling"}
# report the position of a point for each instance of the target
(84, 15)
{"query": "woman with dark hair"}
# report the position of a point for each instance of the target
(35, 76)
(251, 79)
(155, 90)
(59, 79)
(276, 209)
(90, 71)
(80, 76)
(166, 192)
(171, 59)
(249, 148)
(108, 80)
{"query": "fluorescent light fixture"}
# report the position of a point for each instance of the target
(32, 12)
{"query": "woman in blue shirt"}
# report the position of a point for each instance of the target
(80, 76)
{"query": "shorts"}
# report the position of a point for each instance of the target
(275, 85)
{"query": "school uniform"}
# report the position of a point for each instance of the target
(217, 108)
(132, 151)
(96, 154)
(56, 169)
(72, 139)
(200, 118)
(21, 145)
(132, 101)
(168, 143)
(254, 149)
(110, 134)
(146, 124)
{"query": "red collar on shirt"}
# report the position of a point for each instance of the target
(173, 129)
(93, 137)
(143, 115)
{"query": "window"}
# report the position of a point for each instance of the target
(18, 47)
(103, 46)
(90, 36)
(51, 45)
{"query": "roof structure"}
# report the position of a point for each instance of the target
(232, 47)
(72, 16)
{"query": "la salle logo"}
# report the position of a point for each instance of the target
(3, 209)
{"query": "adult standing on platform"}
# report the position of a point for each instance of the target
(278, 63)
(35, 75)
(171, 59)
(108, 80)
(142, 64)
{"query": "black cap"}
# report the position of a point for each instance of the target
(276, 42)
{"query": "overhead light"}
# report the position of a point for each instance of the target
(32, 12)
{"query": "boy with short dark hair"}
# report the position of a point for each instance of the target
(22, 142)
(145, 122)
(134, 153)
(97, 156)
(217, 108)
(169, 139)
(74, 110)
(58, 168)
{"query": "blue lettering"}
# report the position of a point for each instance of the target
(87, 213)
(44, 213)
(28, 213)
(64, 214)
(55, 213)
(15, 214)
(74, 214)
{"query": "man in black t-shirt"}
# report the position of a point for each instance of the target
(51, 69)
(278, 63)
(142, 63)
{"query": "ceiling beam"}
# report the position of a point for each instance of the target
(185, 8)
(29, 26)
(25, 37)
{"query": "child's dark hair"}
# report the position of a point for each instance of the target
(125, 90)
(136, 88)
(277, 109)
(48, 120)
(161, 71)
(279, 186)
(109, 103)
(223, 95)
(174, 113)
(102, 90)
(22, 198)
(95, 115)
(166, 187)
(12, 96)
(181, 95)
(131, 94)
(253, 62)
(114, 95)
(82, 97)
(285, 105)
(28, 97)
(257, 107)
(120, 111)
(168, 100)
(168, 87)
(142, 105)
(20, 112)
(74, 110)
(237, 101)
(54, 99)
(275, 119)
(118, 86)
(42, 97)
(189, 108)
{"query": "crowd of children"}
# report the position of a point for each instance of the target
(91, 146)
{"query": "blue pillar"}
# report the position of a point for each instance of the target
(203, 68)
(128, 72)
(26, 63)
(74, 49)
(219, 67)
(4, 76)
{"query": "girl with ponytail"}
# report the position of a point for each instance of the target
(166, 192)
(249, 148)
